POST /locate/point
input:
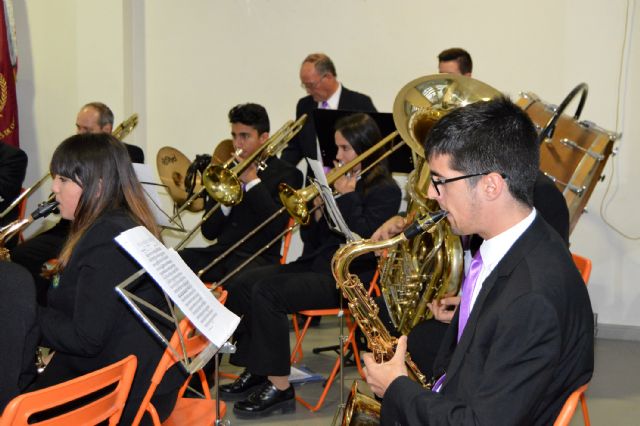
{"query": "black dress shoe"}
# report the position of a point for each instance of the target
(265, 401)
(242, 386)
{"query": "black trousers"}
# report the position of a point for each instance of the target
(264, 297)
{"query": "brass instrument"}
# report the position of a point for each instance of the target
(15, 227)
(223, 185)
(429, 266)
(296, 201)
(120, 133)
(362, 306)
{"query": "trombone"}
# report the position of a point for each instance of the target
(295, 202)
(223, 184)
(121, 132)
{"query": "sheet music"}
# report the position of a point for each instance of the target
(181, 284)
(151, 188)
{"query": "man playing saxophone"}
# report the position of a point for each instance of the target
(522, 339)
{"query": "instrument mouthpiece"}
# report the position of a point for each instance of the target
(424, 224)
(44, 209)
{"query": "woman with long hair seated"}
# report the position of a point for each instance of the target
(86, 323)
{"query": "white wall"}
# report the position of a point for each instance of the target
(182, 65)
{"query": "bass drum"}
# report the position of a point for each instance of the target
(575, 154)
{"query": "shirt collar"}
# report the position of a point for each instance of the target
(334, 99)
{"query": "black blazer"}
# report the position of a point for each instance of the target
(363, 212)
(13, 167)
(90, 326)
(551, 204)
(304, 143)
(257, 204)
(135, 153)
(527, 345)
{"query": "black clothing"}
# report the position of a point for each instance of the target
(551, 205)
(528, 343)
(135, 153)
(266, 295)
(90, 326)
(304, 143)
(13, 167)
(20, 331)
(257, 204)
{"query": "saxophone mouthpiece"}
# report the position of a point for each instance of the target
(424, 224)
(44, 209)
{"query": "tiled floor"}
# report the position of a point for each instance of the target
(613, 396)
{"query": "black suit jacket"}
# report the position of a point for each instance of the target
(13, 167)
(257, 204)
(304, 143)
(551, 204)
(527, 345)
(90, 326)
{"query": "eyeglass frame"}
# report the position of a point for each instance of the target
(442, 181)
(312, 86)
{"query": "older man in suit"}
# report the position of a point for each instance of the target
(522, 339)
(319, 78)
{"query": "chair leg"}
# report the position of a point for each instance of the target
(296, 354)
(585, 410)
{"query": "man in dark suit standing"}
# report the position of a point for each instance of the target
(94, 117)
(319, 78)
(522, 339)
(249, 130)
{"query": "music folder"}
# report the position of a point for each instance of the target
(325, 120)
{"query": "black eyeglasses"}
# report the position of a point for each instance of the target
(442, 181)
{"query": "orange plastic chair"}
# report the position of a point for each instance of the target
(109, 406)
(187, 411)
(584, 266)
(569, 407)
(296, 354)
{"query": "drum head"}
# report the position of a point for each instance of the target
(172, 168)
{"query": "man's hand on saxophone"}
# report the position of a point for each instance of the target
(380, 376)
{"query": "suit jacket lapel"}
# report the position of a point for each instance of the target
(514, 256)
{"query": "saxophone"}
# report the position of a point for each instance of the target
(362, 306)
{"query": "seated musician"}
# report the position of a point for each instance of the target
(249, 130)
(523, 338)
(265, 296)
(94, 117)
(86, 323)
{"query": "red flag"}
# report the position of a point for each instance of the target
(8, 70)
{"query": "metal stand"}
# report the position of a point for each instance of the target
(342, 341)
(227, 348)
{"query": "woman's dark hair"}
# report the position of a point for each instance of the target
(100, 165)
(362, 132)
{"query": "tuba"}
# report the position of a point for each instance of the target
(429, 266)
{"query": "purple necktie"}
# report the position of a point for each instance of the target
(465, 303)
(467, 291)
(325, 105)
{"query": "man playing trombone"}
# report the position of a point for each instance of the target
(228, 225)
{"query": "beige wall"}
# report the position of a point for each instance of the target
(182, 65)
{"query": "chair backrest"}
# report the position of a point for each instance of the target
(584, 266)
(109, 406)
(194, 343)
(570, 405)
